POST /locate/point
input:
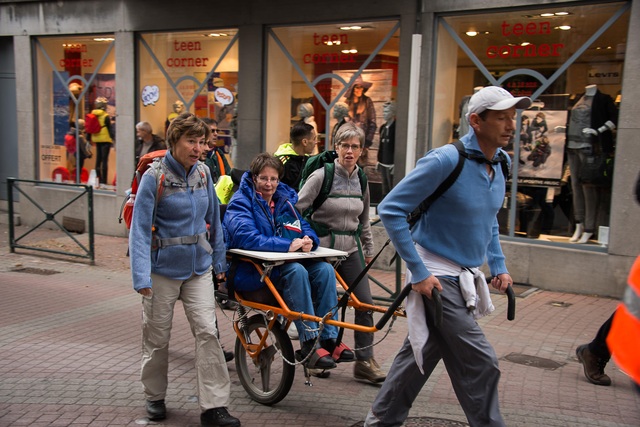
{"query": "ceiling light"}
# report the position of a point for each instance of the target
(351, 27)
(472, 33)
(546, 15)
(525, 44)
(562, 13)
(350, 51)
(103, 39)
(564, 27)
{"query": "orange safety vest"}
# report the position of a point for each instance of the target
(623, 339)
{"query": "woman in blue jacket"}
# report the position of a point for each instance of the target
(261, 217)
(175, 243)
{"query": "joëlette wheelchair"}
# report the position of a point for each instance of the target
(264, 354)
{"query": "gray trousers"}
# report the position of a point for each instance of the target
(468, 357)
(349, 270)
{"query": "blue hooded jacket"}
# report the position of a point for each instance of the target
(249, 224)
(187, 209)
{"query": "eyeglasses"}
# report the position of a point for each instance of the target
(214, 131)
(265, 179)
(346, 147)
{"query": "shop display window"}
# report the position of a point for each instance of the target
(73, 75)
(554, 55)
(194, 71)
(312, 68)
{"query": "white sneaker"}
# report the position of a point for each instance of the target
(292, 332)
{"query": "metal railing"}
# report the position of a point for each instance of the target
(14, 243)
(393, 294)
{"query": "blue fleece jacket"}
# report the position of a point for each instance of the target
(249, 224)
(461, 225)
(186, 206)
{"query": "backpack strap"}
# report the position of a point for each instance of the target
(220, 163)
(159, 173)
(414, 216)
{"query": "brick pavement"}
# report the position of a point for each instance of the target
(70, 350)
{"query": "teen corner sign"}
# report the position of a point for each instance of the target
(529, 50)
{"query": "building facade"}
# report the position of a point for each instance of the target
(257, 67)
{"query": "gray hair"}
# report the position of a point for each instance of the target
(144, 126)
(347, 131)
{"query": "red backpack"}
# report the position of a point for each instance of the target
(150, 160)
(145, 162)
(91, 123)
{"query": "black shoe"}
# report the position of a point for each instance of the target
(319, 359)
(228, 355)
(345, 354)
(156, 410)
(218, 417)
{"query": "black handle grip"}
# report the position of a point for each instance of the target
(435, 296)
(511, 305)
(392, 308)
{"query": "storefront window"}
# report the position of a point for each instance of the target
(311, 72)
(76, 75)
(189, 71)
(554, 55)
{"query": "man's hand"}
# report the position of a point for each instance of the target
(501, 282)
(145, 292)
(589, 131)
(424, 287)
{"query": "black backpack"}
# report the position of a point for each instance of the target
(414, 216)
(324, 159)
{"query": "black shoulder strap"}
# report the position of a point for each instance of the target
(414, 216)
(363, 181)
(327, 182)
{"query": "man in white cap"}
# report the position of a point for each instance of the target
(457, 233)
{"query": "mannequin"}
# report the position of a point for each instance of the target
(102, 140)
(178, 108)
(590, 124)
(305, 112)
(362, 113)
(387, 146)
(341, 114)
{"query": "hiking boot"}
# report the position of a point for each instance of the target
(156, 410)
(218, 417)
(228, 355)
(369, 370)
(593, 366)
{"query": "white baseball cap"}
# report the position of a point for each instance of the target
(495, 98)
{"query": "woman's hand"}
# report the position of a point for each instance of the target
(304, 244)
(295, 245)
(307, 244)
